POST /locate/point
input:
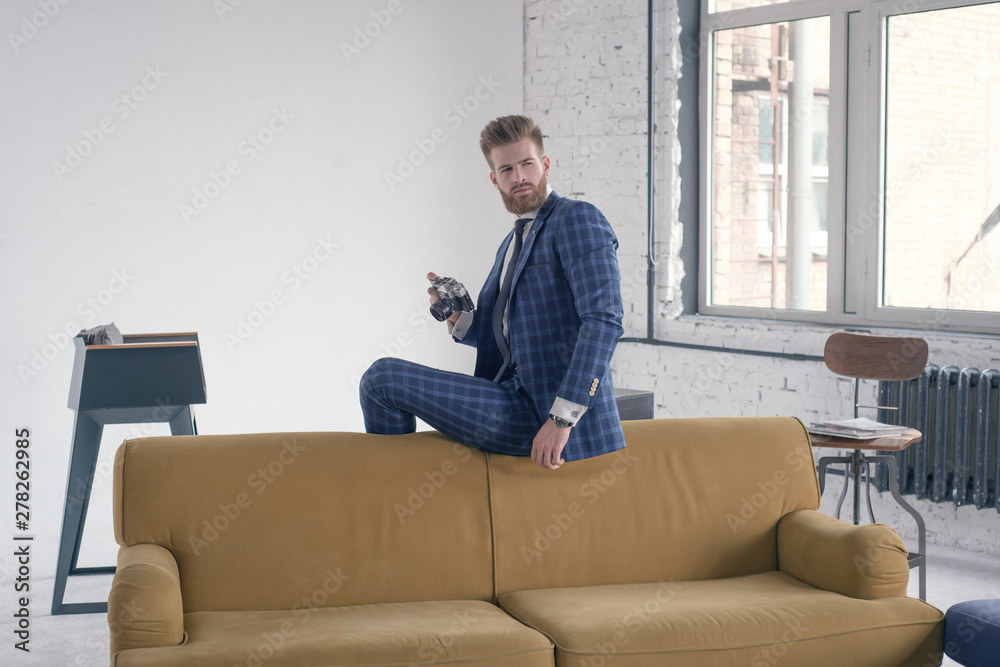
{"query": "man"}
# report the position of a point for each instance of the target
(545, 327)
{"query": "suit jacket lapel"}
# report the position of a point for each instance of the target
(529, 242)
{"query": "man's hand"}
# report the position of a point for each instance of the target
(435, 296)
(546, 450)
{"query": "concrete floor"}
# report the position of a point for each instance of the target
(82, 640)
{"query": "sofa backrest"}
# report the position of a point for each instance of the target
(296, 521)
(687, 499)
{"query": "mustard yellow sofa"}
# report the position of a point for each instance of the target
(698, 545)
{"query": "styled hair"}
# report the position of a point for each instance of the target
(508, 130)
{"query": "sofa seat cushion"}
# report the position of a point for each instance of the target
(447, 633)
(755, 620)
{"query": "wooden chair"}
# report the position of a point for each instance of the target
(866, 357)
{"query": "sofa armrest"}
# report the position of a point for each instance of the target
(866, 562)
(144, 606)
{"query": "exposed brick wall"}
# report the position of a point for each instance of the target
(590, 99)
(585, 84)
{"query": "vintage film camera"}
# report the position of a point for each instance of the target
(453, 298)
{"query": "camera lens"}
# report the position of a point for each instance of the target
(442, 309)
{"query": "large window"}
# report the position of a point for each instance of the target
(851, 161)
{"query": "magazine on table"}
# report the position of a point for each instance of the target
(860, 428)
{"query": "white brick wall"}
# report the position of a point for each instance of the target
(585, 83)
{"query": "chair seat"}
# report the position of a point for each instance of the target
(459, 632)
(972, 633)
(762, 619)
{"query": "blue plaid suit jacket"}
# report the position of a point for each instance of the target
(564, 320)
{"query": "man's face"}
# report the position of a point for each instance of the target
(520, 174)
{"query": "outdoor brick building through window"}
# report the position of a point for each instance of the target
(772, 93)
(867, 207)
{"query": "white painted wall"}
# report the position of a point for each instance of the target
(298, 261)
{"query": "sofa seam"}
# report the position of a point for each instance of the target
(120, 510)
(465, 661)
(458, 661)
(928, 604)
(785, 642)
(493, 525)
(523, 622)
(812, 454)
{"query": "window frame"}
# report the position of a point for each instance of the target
(856, 150)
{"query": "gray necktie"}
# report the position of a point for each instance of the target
(504, 295)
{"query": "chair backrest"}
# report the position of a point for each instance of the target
(875, 357)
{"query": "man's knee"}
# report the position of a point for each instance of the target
(378, 375)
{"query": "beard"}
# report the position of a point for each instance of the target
(521, 204)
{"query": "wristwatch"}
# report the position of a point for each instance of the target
(560, 422)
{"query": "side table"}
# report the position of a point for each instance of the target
(148, 378)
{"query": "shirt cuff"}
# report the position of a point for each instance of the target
(571, 412)
(461, 327)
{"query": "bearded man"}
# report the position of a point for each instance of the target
(545, 328)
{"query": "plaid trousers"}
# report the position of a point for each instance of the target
(493, 417)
